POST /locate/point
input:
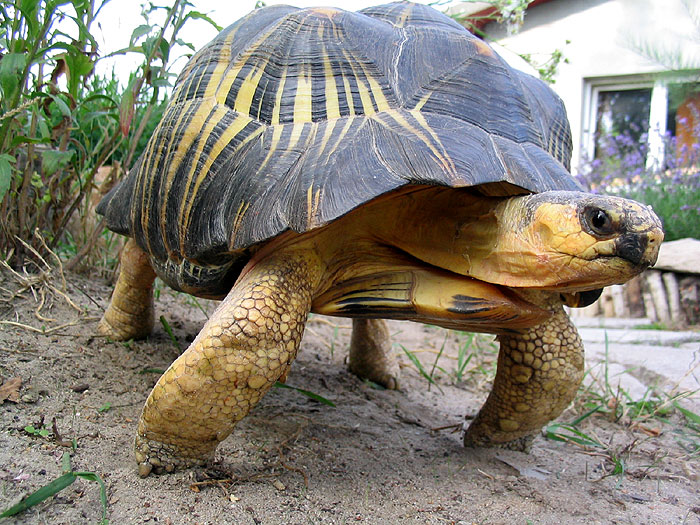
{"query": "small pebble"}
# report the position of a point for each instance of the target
(278, 485)
(30, 397)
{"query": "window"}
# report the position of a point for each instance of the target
(641, 115)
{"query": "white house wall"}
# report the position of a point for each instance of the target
(601, 36)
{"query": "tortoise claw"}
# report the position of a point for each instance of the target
(161, 458)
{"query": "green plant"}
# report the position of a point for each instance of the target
(600, 398)
(40, 432)
(463, 358)
(56, 486)
(547, 68)
(60, 121)
(419, 366)
(306, 393)
(510, 14)
(169, 331)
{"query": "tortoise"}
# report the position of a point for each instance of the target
(380, 164)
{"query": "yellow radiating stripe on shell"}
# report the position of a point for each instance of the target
(278, 99)
(379, 98)
(332, 104)
(229, 77)
(317, 203)
(244, 97)
(348, 96)
(368, 107)
(237, 221)
(362, 89)
(341, 136)
(276, 137)
(146, 200)
(313, 200)
(422, 102)
(302, 98)
(224, 140)
(376, 90)
(222, 63)
(219, 112)
(401, 120)
(297, 130)
(445, 158)
(191, 130)
(330, 126)
(309, 204)
(331, 91)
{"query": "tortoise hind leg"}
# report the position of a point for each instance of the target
(246, 345)
(539, 372)
(370, 353)
(130, 312)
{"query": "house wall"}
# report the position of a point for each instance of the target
(601, 37)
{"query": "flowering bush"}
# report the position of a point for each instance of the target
(621, 168)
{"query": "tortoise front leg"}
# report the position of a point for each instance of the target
(247, 344)
(539, 372)
(370, 353)
(130, 312)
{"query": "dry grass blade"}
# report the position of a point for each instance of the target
(41, 330)
(42, 285)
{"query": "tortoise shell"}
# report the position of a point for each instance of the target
(291, 118)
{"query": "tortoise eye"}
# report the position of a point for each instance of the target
(598, 221)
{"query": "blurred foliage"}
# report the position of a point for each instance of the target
(510, 14)
(547, 68)
(60, 121)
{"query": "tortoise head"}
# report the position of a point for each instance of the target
(571, 241)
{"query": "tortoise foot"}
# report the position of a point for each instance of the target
(539, 371)
(156, 457)
(123, 331)
(247, 344)
(475, 439)
(370, 353)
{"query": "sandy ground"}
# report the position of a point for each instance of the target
(377, 457)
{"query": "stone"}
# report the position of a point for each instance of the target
(681, 256)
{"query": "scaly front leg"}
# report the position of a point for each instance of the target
(539, 372)
(247, 344)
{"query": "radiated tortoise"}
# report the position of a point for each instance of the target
(384, 164)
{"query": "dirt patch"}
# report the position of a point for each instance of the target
(375, 458)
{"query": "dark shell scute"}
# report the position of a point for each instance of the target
(291, 118)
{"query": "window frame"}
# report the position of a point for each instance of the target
(658, 108)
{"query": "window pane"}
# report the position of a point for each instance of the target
(622, 114)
